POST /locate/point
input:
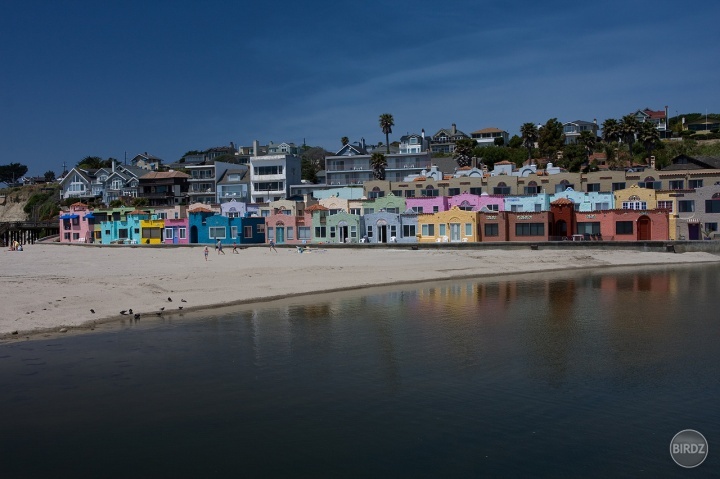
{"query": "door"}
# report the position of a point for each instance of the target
(382, 234)
(643, 228)
(280, 235)
(454, 231)
(693, 231)
(561, 228)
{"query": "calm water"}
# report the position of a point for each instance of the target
(581, 375)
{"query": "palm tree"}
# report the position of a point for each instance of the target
(378, 163)
(529, 134)
(649, 136)
(628, 127)
(344, 140)
(463, 152)
(386, 124)
(611, 130)
(587, 140)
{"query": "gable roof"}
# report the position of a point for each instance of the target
(351, 150)
(684, 162)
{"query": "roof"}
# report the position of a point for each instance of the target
(138, 212)
(201, 210)
(317, 207)
(492, 129)
(684, 162)
(155, 175)
(562, 201)
(79, 203)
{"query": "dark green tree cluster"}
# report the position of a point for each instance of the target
(312, 161)
(10, 174)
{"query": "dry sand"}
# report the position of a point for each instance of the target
(50, 287)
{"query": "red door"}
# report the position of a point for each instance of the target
(643, 228)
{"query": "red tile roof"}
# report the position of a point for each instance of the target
(562, 201)
(317, 208)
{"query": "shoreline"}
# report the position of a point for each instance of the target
(48, 290)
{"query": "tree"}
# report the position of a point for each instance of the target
(386, 124)
(529, 133)
(50, 176)
(611, 130)
(11, 173)
(378, 163)
(313, 160)
(344, 140)
(628, 127)
(90, 163)
(515, 142)
(588, 140)
(649, 136)
(463, 153)
(551, 138)
(499, 141)
(573, 157)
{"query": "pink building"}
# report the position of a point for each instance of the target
(77, 224)
(176, 231)
(469, 202)
(427, 204)
(289, 224)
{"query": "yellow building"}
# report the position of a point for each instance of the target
(635, 198)
(151, 231)
(668, 200)
(452, 226)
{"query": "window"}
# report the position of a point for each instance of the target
(475, 191)
(429, 192)
(369, 231)
(492, 229)
(436, 209)
(290, 232)
(397, 192)
(712, 206)
(320, 231)
(264, 213)
(168, 233)
(589, 228)
(563, 185)
(268, 170)
(409, 193)
(710, 228)
(442, 231)
(217, 232)
(393, 210)
(353, 231)
(233, 232)
(248, 231)
(650, 185)
(618, 186)
(76, 221)
(375, 193)
(623, 227)
(408, 230)
(665, 205)
(355, 211)
(271, 232)
(152, 233)
(501, 189)
(593, 187)
(677, 184)
(304, 233)
(538, 208)
(453, 191)
(334, 211)
(532, 190)
(332, 231)
(182, 233)
(516, 208)
(369, 211)
(696, 184)
(529, 229)
(76, 236)
(66, 236)
(605, 205)
(686, 206)
(468, 229)
(123, 233)
(428, 230)
(393, 230)
(493, 207)
(417, 209)
(634, 205)
(466, 206)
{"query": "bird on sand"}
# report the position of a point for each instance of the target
(92, 311)
(130, 311)
(123, 312)
(183, 301)
(169, 299)
(162, 309)
(180, 307)
(137, 316)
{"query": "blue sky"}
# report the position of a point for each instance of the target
(107, 79)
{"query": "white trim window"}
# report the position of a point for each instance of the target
(168, 233)
(217, 232)
(182, 233)
(233, 232)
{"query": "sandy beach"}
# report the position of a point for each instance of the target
(53, 287)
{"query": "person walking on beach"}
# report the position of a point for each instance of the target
(235, 250)
(219, 247)
(206, 253)
(272, 245)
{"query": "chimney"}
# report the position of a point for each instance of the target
(595, 120)
(454, 129)
(256, 148)
(112, 161)
(423, 133)
(652, 162)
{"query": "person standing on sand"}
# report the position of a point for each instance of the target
(219, 247)
(235, 251)
(206, 253)
(272, 245)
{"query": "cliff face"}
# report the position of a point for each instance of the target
(12, 202)
(44, 199)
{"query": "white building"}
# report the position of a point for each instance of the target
(272, 175)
